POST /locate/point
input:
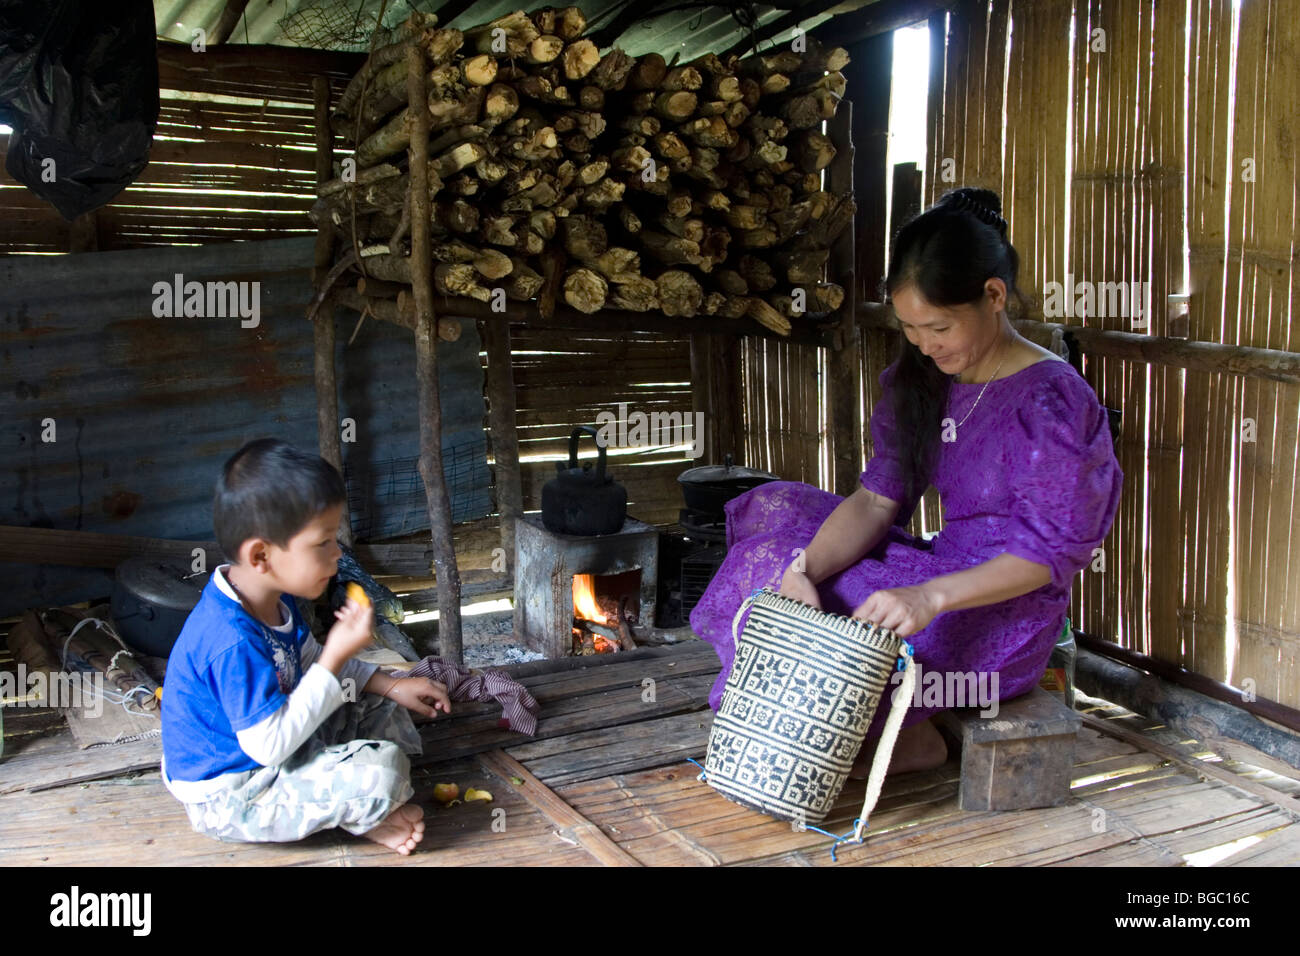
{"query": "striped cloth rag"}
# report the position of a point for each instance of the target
(518, 708)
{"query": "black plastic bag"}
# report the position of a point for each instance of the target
(79, 86)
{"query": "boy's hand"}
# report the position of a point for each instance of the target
(421, 695)
(351, 633)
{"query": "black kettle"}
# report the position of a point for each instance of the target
(578, 501)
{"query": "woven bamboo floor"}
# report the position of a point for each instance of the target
(606, 782)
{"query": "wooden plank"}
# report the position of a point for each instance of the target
(567, 716)
(35, 773)
(607, 750)
(1201, 768)
(179, 66)
(137, 822)
(89, 549)
(591, 837)
(1281, 848)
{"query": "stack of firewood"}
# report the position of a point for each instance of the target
(692, 189)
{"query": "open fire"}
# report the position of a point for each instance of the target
(602, 616)
(613, 597)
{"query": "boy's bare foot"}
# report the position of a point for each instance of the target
(401, 830)
(919, 747)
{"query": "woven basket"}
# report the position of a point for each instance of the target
(802, 692)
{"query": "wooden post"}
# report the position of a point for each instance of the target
(504, 430)
(907, 196)
(870, 75)
(728, 397)
(327, 394)
(702, 394)
(426, 367)
(845, 360)
(83, 233)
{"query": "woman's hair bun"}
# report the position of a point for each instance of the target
(983, 204)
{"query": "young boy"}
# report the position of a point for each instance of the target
(267, 736)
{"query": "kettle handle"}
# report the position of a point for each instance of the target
(573, 450)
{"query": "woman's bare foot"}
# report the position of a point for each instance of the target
(919, 747)
(401, 830)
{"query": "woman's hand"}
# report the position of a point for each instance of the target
(797, 586)
(902, 610)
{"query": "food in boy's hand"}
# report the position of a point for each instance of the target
(443, 792)
(356, 593)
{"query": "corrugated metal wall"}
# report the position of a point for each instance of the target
(146, 409)
(346, 24)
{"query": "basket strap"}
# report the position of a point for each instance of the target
(735, 621)
(888, 736)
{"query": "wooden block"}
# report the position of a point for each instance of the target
(1019, 759)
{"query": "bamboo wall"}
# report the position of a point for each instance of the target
(233, 158)
(564, 379)
(784, 406)
(1200, 567)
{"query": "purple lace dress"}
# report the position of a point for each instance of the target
(1033, 473)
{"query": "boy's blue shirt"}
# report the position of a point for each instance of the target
(226, 673)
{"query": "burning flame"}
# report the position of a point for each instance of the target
(584, 599)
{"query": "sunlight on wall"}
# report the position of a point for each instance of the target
(907, 107)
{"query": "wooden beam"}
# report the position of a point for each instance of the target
(232, 59)
(615, 320)
(728, 398)
(323, 329)
(884, 16)
(845, 386)
(703, 401)
(1288, 717)
(426, 367)
(870, 81)
(906, 201)
(83, 233)
(387, 310)
(1182, 708)
(504, 432)
(1201, 768)
(1272, 364)
(92, 549)
(230, 17)
(590, 836)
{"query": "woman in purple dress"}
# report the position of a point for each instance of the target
(1019, 449)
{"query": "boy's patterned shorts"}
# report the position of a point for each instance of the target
(351, 773)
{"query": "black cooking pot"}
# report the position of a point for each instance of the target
(578, 501)
(709, 487)
(151, 600)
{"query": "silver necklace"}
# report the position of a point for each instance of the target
(982, 390)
